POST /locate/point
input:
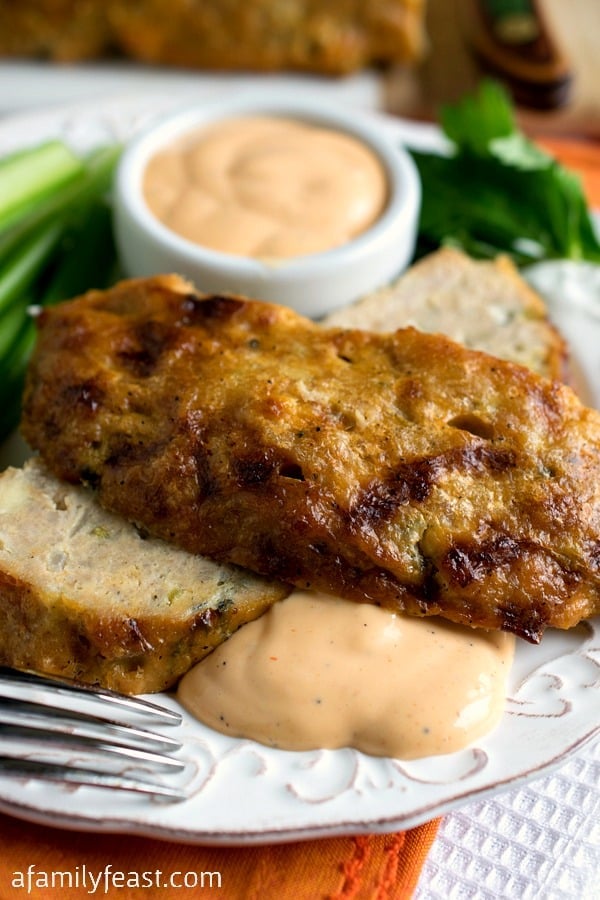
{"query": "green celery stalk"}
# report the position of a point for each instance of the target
(55, 242)
(11, 323)
(12, 376)
(29, 175)
(87, 258)
(24, 265)
(94, 180)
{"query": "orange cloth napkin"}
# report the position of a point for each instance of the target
(379, 867)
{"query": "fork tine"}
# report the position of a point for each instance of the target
(33, 717)
(26, 768)
(90, 740)
(48, 691)
(19, 743)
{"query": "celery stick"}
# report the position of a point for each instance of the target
(24, 265)
(11, 323)
(29, 175)
(93, 180)
(13, 365)
(88, 257)
(12, 377)
(57, 243)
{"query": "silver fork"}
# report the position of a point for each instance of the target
(60, 730)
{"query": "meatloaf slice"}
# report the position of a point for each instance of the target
(401, 469)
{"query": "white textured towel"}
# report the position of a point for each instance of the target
(539, 842)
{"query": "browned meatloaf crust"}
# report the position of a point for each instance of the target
(401, 469)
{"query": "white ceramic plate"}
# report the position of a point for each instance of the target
(241, 792)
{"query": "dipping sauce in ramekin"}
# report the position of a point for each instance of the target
(379, 241)
(267, 187)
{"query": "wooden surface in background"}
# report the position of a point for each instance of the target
(451, 69)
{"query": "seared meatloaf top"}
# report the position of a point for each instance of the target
(400, 469)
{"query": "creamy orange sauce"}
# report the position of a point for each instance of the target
(266, 187)
(321, 672)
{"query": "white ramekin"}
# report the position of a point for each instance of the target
(312, 285)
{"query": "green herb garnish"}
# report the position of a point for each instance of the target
(498, 192)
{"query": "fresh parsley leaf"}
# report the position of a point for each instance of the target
(497, 191)
(517, 151)
(479, 118)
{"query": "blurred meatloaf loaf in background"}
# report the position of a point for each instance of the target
(334, 37)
